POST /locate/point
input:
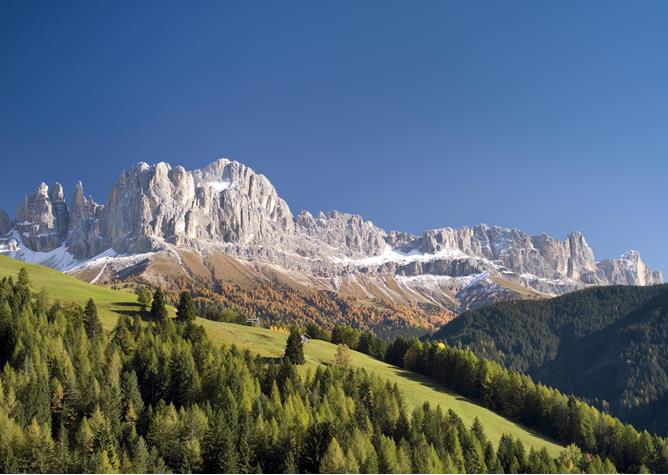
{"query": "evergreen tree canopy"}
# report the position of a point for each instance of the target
(185, 312)
(159, 307)
(91, 319)
(294, 348)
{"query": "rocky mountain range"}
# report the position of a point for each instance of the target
(227, 222)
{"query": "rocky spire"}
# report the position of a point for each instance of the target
(38, 223)
(61, 213)
(84, 237)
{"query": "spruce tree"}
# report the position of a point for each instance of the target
(143, 297)
(159, 308)
(91, 319)
(185, 312)
(294, 348)
(333, 460)
(140, 456)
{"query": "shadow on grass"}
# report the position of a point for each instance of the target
(129, 309)
(126, 304)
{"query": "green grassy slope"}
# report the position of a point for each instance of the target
(59, 286)
(415, 388)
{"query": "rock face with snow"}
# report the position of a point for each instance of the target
(42, 219)
(84, 238)
(225, 203)
(346, 233)
(227, 207)
(629, 269)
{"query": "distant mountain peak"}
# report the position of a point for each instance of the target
(227, 207)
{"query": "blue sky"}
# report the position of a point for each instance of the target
(547, 116)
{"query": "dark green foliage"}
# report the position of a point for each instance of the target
(516, 396)
(606, 344)
(294, 348)
(144, 297)
(185, 312)
(526, 334)
(159, 307)
(217, 313)
(92, 320)
(348, 336)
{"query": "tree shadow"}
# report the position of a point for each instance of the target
(128, 309)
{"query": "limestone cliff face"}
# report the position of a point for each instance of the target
(349, 234)
(84, 238)
(629, 269)
(227, 207)
(538, 256)
(41, 219)
(225, 203)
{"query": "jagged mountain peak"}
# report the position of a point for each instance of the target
(228, 207)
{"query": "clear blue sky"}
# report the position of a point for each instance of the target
(547, 116)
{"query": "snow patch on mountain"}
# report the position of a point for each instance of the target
(59, 258)
(219, 186)
(396, 256)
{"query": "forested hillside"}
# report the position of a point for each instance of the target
(606, 344)
(273, 302)
(158, 396)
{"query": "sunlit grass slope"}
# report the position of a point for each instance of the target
(59, 286)
(415, 388)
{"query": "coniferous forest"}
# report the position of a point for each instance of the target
(605, 344)
(155, 395)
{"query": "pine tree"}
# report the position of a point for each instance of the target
(245, 464)
(38, 452)
(143, 297)
(343, 357)
(185, 312)
(140, 456)
(294, 348)
(92, 320)
(159, 308)
(290, 464)
(24, 278)
(101, 463)
(352, 466)
(387, 456)
(190, 457)
(220, 451)
(333, 460)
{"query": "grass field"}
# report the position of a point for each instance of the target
(415, 388)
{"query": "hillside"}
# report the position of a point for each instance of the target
(625, 364)
(414, 388)
(59, 286)
(526, 334)
(603, 344)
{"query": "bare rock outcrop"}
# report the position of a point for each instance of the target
(225, 203)
(38, 223)
(84, 236)
(349, 234)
